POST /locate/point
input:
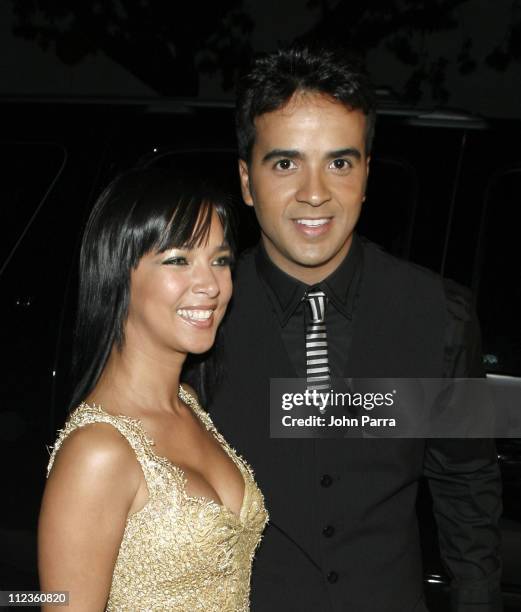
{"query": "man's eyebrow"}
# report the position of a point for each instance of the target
(286, 153)
(347, 152)
(294, 154)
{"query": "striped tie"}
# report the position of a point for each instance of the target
(317, 365)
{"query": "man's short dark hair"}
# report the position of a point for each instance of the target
(273, 79)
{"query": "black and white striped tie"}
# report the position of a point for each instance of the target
(317, 364)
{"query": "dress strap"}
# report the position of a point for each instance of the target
(130, 428)
(194, 404)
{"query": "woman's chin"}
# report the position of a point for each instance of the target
(198, 348)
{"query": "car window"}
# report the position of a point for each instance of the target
(29, 172)
(499, 285)
(388, 213)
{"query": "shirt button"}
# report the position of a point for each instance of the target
(326, 480)
(328, 531)
(332, 577)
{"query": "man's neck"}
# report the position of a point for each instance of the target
(309, 275)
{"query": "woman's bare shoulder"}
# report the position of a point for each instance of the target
(99, 455)
(87, 499)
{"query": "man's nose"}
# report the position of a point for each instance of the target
(313, 189)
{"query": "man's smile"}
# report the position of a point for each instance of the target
(313, 227)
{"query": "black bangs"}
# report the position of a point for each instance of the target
(173, 212)
(190, 224)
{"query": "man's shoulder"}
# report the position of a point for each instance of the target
(458, 298)
(378, 256)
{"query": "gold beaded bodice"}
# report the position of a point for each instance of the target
(179, 552)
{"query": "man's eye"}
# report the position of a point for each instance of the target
(341, 164)
(223, 261)
(285, 164)
(176, 261)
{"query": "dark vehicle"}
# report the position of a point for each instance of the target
(443, 192)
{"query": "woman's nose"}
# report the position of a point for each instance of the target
(205, 281)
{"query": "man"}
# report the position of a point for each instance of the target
(343, 532)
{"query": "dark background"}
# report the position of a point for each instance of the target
(123, 66)
(461, 53)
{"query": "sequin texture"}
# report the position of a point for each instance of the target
(179, 552)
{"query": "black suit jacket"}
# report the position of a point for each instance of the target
(343, 532)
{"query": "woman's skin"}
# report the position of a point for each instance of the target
(96, 481)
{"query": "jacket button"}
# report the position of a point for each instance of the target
(328, 531)
(326, 480)
(332, 577)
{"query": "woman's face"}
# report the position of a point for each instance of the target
(179, 297)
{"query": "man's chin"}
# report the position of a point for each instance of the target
(313, 259)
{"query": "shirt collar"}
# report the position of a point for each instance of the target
(286, 292)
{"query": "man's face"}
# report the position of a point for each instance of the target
(306, 181)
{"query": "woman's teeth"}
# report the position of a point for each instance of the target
(196, 315)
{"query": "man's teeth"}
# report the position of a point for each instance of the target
(198, 315)
(312, 222)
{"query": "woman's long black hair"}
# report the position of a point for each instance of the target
(142, 210)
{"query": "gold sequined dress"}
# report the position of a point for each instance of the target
(179, 552)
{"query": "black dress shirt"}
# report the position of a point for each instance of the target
(286, 296)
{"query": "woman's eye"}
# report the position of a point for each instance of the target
(176, 261)
(223, 261)
(341, 164)
(285, 164)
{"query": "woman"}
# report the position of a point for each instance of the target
(146, 506)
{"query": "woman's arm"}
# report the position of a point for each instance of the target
(90, 490)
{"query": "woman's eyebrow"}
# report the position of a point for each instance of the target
(222, 247)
